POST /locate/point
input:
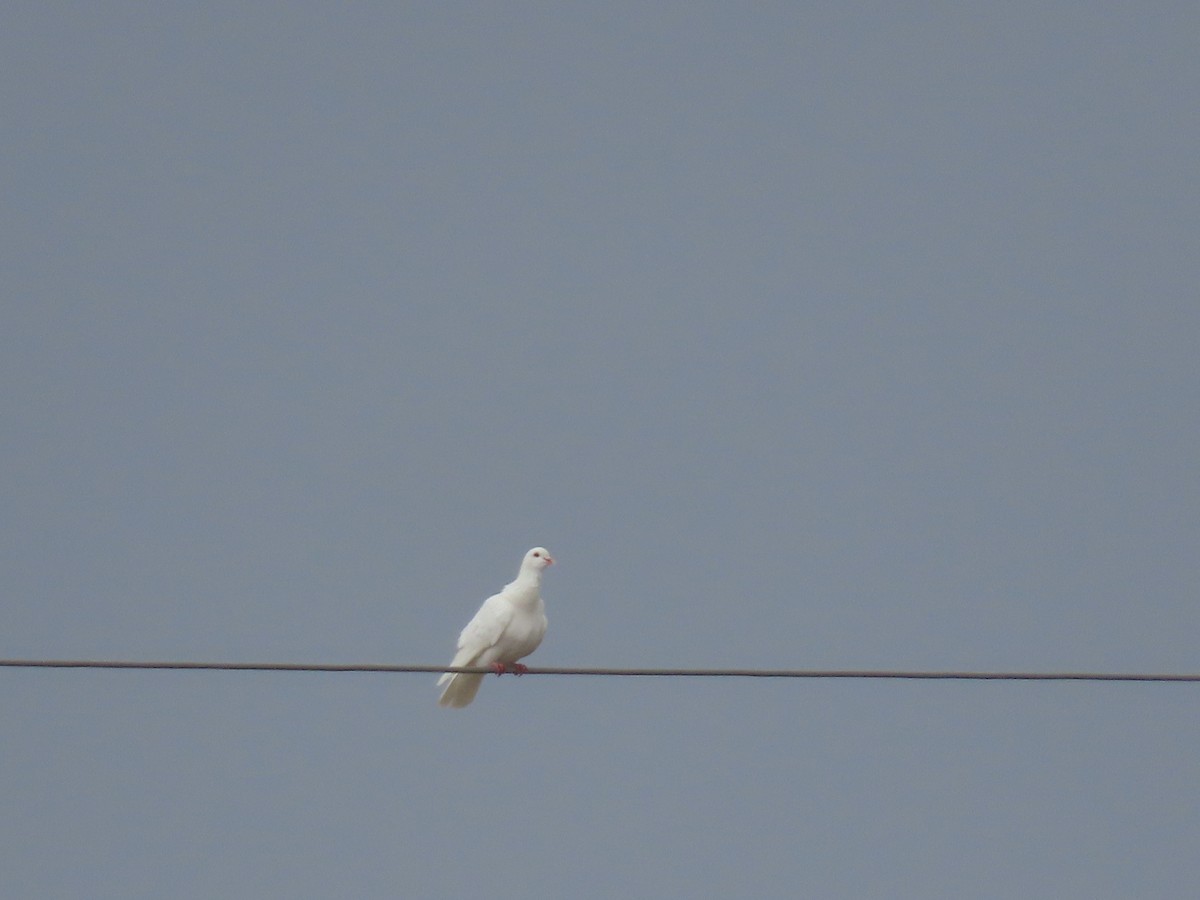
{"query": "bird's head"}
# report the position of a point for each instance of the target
(538, 559)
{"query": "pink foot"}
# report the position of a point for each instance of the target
(519, 668)
(498, 668)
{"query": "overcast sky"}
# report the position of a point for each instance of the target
(805, 335)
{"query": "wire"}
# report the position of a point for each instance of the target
(590, 670)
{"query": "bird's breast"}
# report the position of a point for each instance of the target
(523, 635)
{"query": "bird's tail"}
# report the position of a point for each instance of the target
(461, 688)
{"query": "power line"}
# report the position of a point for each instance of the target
(603, 671)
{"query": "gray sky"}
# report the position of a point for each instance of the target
(804, 335)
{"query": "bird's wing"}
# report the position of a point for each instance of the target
(485, 630)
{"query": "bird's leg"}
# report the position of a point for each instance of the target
(498, 668)
(519, 668)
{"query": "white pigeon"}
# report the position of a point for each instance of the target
(508, 626)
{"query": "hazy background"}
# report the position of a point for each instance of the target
(803, 334)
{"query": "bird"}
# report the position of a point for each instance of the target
(509, 626)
